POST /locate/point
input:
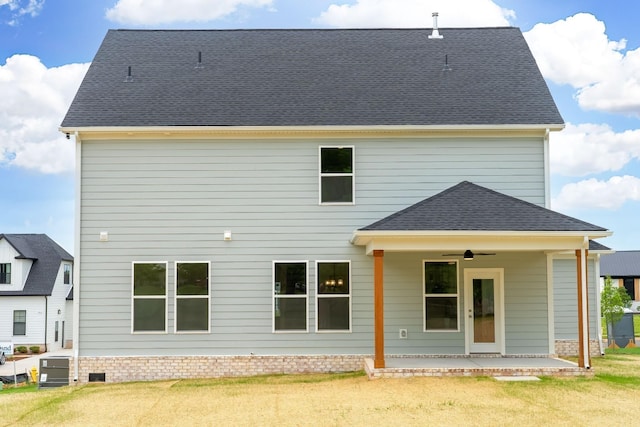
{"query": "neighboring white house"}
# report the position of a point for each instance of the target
(36, 276)
(300, 200)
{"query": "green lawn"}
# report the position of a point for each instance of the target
(611, 395)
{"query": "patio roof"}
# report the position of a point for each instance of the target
(471, 216)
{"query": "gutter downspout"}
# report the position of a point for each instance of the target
(76, 262)
(46, 320)
(585, 305)
(599, 303)
(547, 171)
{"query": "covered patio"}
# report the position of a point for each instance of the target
(464, 219)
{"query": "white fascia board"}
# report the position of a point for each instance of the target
(570, 254)
(466, 233)
(474, 240)
(182, 130)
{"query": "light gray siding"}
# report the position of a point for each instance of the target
(526, 303)
(565, 295)
(172, 201)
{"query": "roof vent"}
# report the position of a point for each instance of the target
(446, 66)
(435, 34)
(129, 77)
(199, 64)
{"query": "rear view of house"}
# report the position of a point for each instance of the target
(35, 280)
(257, 201)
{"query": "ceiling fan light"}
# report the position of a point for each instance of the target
(468, 255)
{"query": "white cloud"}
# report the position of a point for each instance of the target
(416, 13)
(577, 51)
(153, 12)
(35, 99)
(587, 148)
(20, 8)
(593, 193)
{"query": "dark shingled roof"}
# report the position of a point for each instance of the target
(47, 256)
(313, 77)
(596, 246)
(470, 207)
(619, 264)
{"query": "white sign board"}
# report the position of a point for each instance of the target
(6, 348)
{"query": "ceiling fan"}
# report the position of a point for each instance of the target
(468, 255)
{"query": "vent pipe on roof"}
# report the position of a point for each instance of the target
(199, 64)
(435, 34)
(446, 67)
(129, 77)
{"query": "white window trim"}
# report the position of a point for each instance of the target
(176, 297)
(165, 297)
(352, 175)
(13, 323)
(319, 296)
(64, 267)
(426, 295)
(273, 297)
(10, 273)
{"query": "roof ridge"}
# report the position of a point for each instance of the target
(506, 27)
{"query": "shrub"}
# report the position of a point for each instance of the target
(21, 349)
(35, 349)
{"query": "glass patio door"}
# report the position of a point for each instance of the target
(484, 313)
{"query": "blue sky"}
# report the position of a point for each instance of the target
(588, 51)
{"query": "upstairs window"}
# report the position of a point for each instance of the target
(334, 296)
(150, 297)
(5, 274)
(67, 274)
(192, 297)
(290, 296)
(19, 322)
(336, 175)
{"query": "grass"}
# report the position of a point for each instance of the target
(21, 388)
(340, 399)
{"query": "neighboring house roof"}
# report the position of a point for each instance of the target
(620, 263)
(470, 207)
(47, 257)
(363, 77)
(596, 246)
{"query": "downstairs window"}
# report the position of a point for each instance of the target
(334, 296)
(149, 297)
(290, 296)
(440, 296)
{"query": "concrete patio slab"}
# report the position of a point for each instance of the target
(502, 366)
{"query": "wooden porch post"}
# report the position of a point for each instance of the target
(378, 303)
(584, 353)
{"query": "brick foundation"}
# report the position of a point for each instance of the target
(150, 368)
(121, 369)
(570, 347)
